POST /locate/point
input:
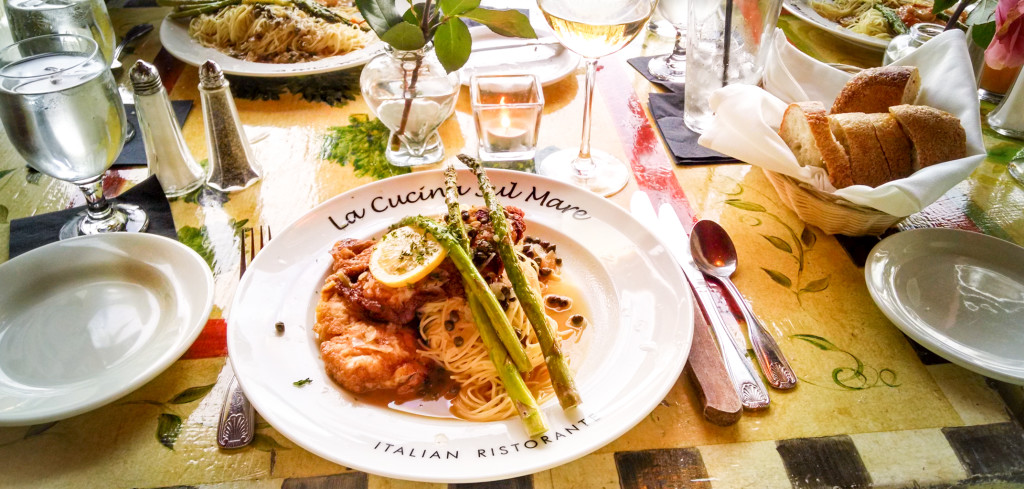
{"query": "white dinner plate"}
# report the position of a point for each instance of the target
(87, 320)
(544, 57)
(958, 293)
(630, 355)
(803, 10)
(174, 37)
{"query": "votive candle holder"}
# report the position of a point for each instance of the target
(507, 110)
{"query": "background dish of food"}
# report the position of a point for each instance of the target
(174, 37)
(803, 10)
(631, 355)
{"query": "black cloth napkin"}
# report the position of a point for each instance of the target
(134, 151)
(667, 109)
(30, 233)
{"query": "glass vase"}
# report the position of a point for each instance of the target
(412, 94)
(1008, 118)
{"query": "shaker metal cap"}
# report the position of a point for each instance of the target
(145, 78)
(211, 76)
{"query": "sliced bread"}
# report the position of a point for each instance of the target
(936, 135)
(805, 129)
(876, 89)
(856, 133)
(895, 145)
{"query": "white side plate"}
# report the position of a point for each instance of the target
(551, 62)
(958, 293)
(174, 37)
(630, 356)
(90, 319)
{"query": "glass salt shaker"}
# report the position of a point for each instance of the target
(166, 152)
(905, 44)
(232, 165)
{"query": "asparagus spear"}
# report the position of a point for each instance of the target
(517, 390)
(477, 287)
(558, 369)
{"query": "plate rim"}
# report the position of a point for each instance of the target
(554, 459)
(924, 333)
(565, 73)
(796, 7)
(182, 343)
(188, 51)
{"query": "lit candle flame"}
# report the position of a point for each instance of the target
(504, 119)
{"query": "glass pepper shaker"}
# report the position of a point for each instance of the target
(232, 165)
(166, 152)
(905, 44)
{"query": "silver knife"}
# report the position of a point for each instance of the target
(753, 394)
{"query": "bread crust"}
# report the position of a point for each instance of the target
(805, 129)
(857, 135)
(895, 145)
(874, 90)
(937, 136)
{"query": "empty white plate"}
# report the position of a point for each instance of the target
(90, 319)
(958, 293)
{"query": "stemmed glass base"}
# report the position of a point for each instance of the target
(671, 67)
(124, 217)
(608, 175)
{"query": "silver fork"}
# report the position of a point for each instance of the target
(237, 425)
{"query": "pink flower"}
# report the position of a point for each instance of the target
(1007, 47)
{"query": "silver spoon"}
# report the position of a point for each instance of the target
(132, 34)
(715, 255)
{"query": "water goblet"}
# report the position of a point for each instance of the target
(87, 18)
(592, 30)
(672, 67)
(61, 109)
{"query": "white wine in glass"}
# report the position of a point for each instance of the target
(592, 30)
(60, 107)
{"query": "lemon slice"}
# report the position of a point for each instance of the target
(404, 256)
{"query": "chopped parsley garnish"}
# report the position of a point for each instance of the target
(300, 383)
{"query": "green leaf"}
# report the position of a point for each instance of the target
(3, 173)
(747, 206)
(379, 14)
(816, 285)
(404, 37)
(508, 23)
(362, 144)
(452, 44)
(984, 12)
(167, 429)
(4, 213)
(191, 394)
(300, 383)
(779, 277)
(457, 7)
(808, 238)
(778, 243)
(266, 443)
(941, 5)
(982, 34)
(197, 239)
(36, 430)
(817, 341)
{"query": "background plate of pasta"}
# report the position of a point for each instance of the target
(620, 303)
(805, 10)
(271, 39)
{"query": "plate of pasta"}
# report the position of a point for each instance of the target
(271, 39)
(859, 21)
(390, 370)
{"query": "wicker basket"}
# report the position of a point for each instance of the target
(834, 215)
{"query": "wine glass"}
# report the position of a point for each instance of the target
(60, 107)
(592, 30)
(87, 18)
(672, 67)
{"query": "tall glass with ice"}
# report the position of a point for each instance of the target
(61, 110)
(727, 42)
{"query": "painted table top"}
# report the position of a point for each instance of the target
(906, 418)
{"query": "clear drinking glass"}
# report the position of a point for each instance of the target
(592, 30)
(672, 67)
(726, 42)
(507, 111)
(60, 107)
(87, 18)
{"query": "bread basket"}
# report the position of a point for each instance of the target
(830, 213)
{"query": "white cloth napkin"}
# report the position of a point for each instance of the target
(747, 119)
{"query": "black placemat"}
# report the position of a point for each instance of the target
(134, 151)
(667, 110)
(32, 232)
(640, 64)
